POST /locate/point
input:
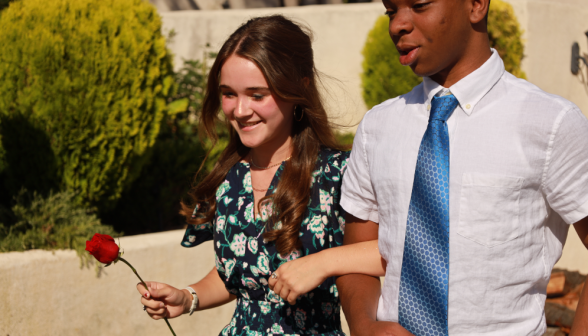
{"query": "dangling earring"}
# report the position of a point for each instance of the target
(298, 110)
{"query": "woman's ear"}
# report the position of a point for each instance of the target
(306, 81)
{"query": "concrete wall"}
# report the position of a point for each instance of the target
(47, 293)
(339, 35)
(340, 31)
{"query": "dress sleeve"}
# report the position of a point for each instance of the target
(357, 194)
(330, 197)
(197, 234)
(565, 180)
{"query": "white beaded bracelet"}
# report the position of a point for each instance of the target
(194, 299)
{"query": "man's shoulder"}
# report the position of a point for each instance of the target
(528, 93)
(391, 107)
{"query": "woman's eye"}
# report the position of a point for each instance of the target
(389, 13)
(227, 94)
(258, 96)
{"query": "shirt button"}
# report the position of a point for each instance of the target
(428, 107)
(468, 106)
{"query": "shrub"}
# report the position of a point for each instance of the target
(506, 36)
(4, 3)
(90, 79)
(384, 77)
(50, 223)
(151, 204)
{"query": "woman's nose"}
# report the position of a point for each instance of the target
(242, 109)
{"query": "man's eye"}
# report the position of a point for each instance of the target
(390, 13)
(421, 5)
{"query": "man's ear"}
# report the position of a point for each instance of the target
(479, 10)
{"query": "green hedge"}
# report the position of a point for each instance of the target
(506, 36)
(151, 203)
(83, 90)
(384, 77)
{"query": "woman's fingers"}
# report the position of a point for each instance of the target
(142, 290)
(292, 297)
(278, 287)
(271, 282)
(284, 292)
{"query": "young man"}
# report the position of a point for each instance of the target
(469, 183)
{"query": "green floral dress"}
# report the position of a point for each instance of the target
(245, 261)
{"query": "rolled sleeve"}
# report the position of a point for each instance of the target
(357, 193)
(566, 173)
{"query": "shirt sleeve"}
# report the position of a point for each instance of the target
(357, 193)
(565, 179)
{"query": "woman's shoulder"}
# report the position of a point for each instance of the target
(332, 157)
(330, 166)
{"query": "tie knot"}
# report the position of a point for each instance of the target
(442, 107)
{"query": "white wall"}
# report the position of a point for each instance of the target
(340, 32)
(550, 27)
(47, 294)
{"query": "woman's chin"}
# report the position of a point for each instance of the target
(251, 143)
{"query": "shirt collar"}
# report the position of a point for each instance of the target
(470, 89)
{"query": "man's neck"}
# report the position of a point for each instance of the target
(472, 59)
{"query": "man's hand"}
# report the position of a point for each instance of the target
(580, 326)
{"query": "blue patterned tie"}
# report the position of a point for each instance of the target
(422, 304)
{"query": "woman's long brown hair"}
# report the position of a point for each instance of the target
(282, 50)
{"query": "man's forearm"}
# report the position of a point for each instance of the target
(359, 296)
(580, 326)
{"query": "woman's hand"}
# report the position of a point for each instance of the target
(298, 277)
(164, 300)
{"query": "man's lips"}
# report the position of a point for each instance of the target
(408, 56)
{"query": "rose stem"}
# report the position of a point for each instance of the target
(145, 285)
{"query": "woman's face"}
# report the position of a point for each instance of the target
(260, 119)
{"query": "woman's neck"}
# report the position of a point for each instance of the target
(267, 155)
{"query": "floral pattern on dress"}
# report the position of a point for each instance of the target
(245, 261)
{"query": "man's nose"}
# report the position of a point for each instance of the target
(401, 22)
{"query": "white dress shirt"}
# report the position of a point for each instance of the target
(518, 174)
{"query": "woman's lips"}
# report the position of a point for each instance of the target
(407, 58)
(248, 126)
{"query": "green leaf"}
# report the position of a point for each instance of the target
(178, 106)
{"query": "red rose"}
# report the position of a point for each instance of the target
(103, 248)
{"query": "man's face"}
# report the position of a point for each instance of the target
(430, 35)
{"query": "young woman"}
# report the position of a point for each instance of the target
(273, 196)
